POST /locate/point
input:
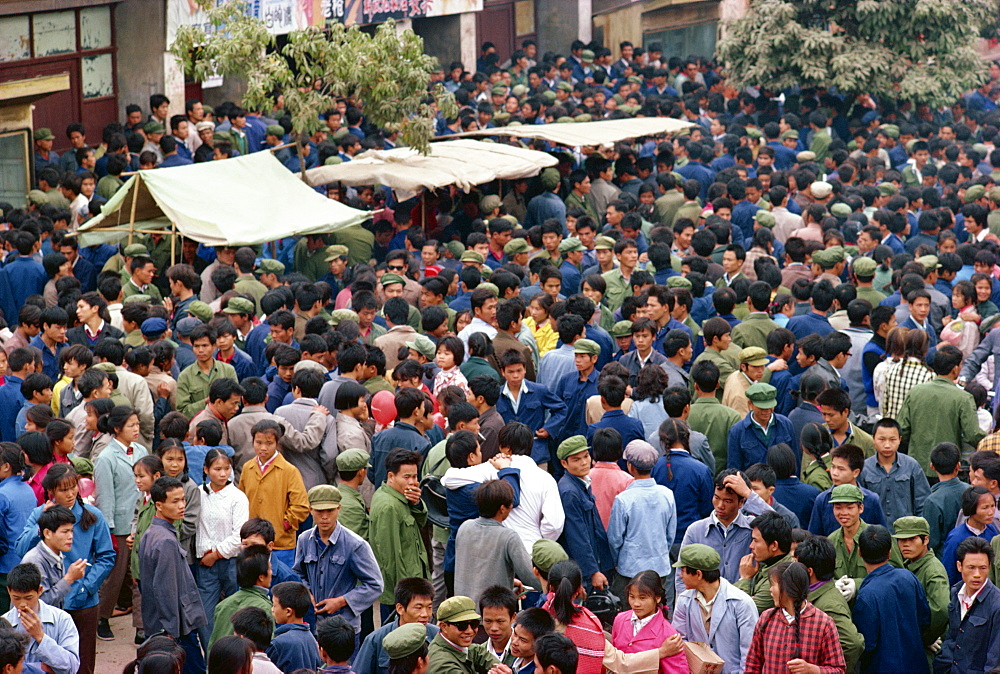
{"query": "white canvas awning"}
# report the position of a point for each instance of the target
(582, 134)
(246, 200)
(464, 163)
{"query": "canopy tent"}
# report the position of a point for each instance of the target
(464, 163)
(577, 134)
(246, 200)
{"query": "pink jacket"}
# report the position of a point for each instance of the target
(607, 480)
(649, 637)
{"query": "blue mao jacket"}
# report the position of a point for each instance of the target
(584, 537)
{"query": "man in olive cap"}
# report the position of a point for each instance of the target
(336, 564)
(759, 430)
(912, 535)
(864, 269)
(584, 537)
(848, 504)
(572, 252)
(753, 363)
(336, 258)
(406, 647)
(547, 204)
(732, 615)
(452, 649)
(576, 387)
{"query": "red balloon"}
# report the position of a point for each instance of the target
(85, 486)
(384, 407)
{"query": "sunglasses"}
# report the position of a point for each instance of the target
(393, 267)
(463, 625)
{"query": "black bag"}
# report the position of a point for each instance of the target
(435, 498)
(604, 605)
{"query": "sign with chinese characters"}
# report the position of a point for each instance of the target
(376, 11)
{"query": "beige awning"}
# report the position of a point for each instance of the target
(464, 163)
(581, 134)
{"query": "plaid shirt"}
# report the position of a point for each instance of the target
(991, 443)
(774, 643)
(899, 379)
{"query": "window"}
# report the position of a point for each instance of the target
(54, 33)
(15, 40)
(681, 42)
(14, 162)
(98, 76)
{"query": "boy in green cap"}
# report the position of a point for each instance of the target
(912, 535)
(584, 537)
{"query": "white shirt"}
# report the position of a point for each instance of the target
(639, 623)
(540, 512)
(514, 402)
(223, 512)
(965, 601)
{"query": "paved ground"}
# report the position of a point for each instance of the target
(112, 656)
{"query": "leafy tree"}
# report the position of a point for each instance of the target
(914, 50)
(386, 73)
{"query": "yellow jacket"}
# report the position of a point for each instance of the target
(276, 496)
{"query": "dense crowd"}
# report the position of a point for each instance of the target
(733, 388)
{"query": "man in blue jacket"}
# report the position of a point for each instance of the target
(972, 643)
(584, 537)
(759, 430)
(531, 404)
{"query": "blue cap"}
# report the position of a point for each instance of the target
(153, 326)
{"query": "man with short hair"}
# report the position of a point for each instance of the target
(584, 536)
(414, 599)
(452, 649)
(761, 429)
(770, 542)
(54, 644)
(973, 638)
(897, 478)
(912, 537)
(891, 609)
(848, 504)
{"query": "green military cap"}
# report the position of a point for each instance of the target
(138, 297)
(153, 127)
(516, 247)
(791, 133)
(456, 609)
(39, 198)
(519, 90)
(324, 497)
(864, 266)
(336, 252)
(679, 282)
(564, 86)
(852, 146)
(763, 395)
(822, 258)
(698, 556)
(549, 97)
(550, 178)
(678, 178)
(222, 136)
(804, 156)
(887, 189)
(634, 79)
(911, 526)
(846, 493)
(208, 109)
(43, 133)
(836, 254)
(565, 119)
(351, 460)
(840, 210)
(333, 161)
(135, 250)
(570, 245)
(587, 56)
(389, 279)
(405, 640)
(499, 90)
(981, 149)
(423, 345)
(890, 130)
(489, 203)
(994, 194)
(754, 133)
(509, 218)
(501, 117)
(909, 145)
(604, 243)
(269, 266)
(456, 248)
(340, 315)
(929, 262)
(547, 553)
(621, 329)
(587, 346)
(764, 218)
(471, 257)
(81, 465)
(585, 117)
(340, 134)
(515, 123)
(570, 446)
(492, 287)
(200, 310)
(753, 355)
(239, 305)
(275, 130)
(629, 109)
(974, 192)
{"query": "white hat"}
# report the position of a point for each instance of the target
(821, 189)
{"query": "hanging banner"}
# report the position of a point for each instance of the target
(365, 12)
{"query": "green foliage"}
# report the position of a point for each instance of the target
(386, 72)
(916, 50)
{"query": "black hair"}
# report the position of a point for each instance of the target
(566, 579)
(336, 637)
(293, 595)
(945, 458)
(517, 437)
(499, 596)
(53, 518)
(874, 544)
(557, 650)
(255, 624)
(158, 492)
(399, 457)
(793, 579)
(970, 500)
(230, 654)
(974, 545)
(258, 526)
(492, 495)
(817, 553)
(24, 578)
(535, 621)
(774, 528)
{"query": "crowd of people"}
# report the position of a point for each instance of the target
(731, 388)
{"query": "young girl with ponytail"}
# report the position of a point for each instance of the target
(91, 541)
(794, 637)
